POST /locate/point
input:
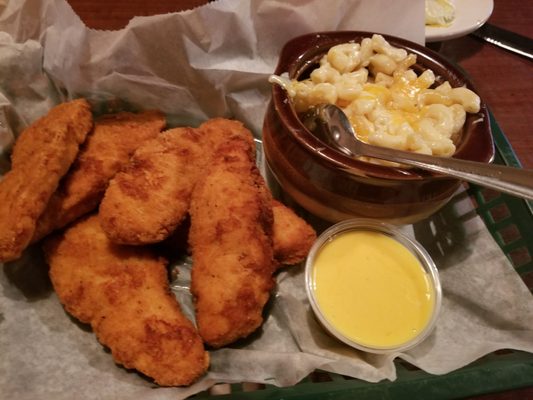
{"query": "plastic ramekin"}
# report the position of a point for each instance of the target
(393, 232)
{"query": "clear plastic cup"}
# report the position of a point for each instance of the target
(411, 245)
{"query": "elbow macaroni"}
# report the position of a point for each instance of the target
(384, 99)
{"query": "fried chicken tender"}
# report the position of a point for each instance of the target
(231, 243)
(41, 156)
(146, 201)
(123, 292)
(107, 149)
(293, 237)
(149, 197)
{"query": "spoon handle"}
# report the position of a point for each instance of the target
(515, 181)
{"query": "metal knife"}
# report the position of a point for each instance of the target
(508, 40)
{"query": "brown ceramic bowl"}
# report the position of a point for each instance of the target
(334, 187)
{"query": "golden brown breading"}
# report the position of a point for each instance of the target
(107, 149)
(123, 292)
(146, 201)
(231, 243)
(218, 131)
(293, 237)
(42, 155)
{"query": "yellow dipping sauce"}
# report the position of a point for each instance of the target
(372, 289)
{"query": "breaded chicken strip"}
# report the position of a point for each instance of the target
(107, 149)
(42, 155)
(293, 237)
(123, 292)
(146, 201)
(231, 243)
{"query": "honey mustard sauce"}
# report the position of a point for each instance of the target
(372, 289)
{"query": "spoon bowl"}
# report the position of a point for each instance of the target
(329, 123)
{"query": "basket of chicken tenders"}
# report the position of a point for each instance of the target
(151, 247)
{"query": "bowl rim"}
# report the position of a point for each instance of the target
(427, 263)
(302, 51)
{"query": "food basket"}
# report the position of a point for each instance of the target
(510, 221)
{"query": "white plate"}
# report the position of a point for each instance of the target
(469, 16)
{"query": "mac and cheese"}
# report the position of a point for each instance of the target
(385, 100)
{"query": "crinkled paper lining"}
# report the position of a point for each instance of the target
(214, 61)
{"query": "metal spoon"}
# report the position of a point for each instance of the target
(330, 124)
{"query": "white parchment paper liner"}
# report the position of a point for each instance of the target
(207, 62)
